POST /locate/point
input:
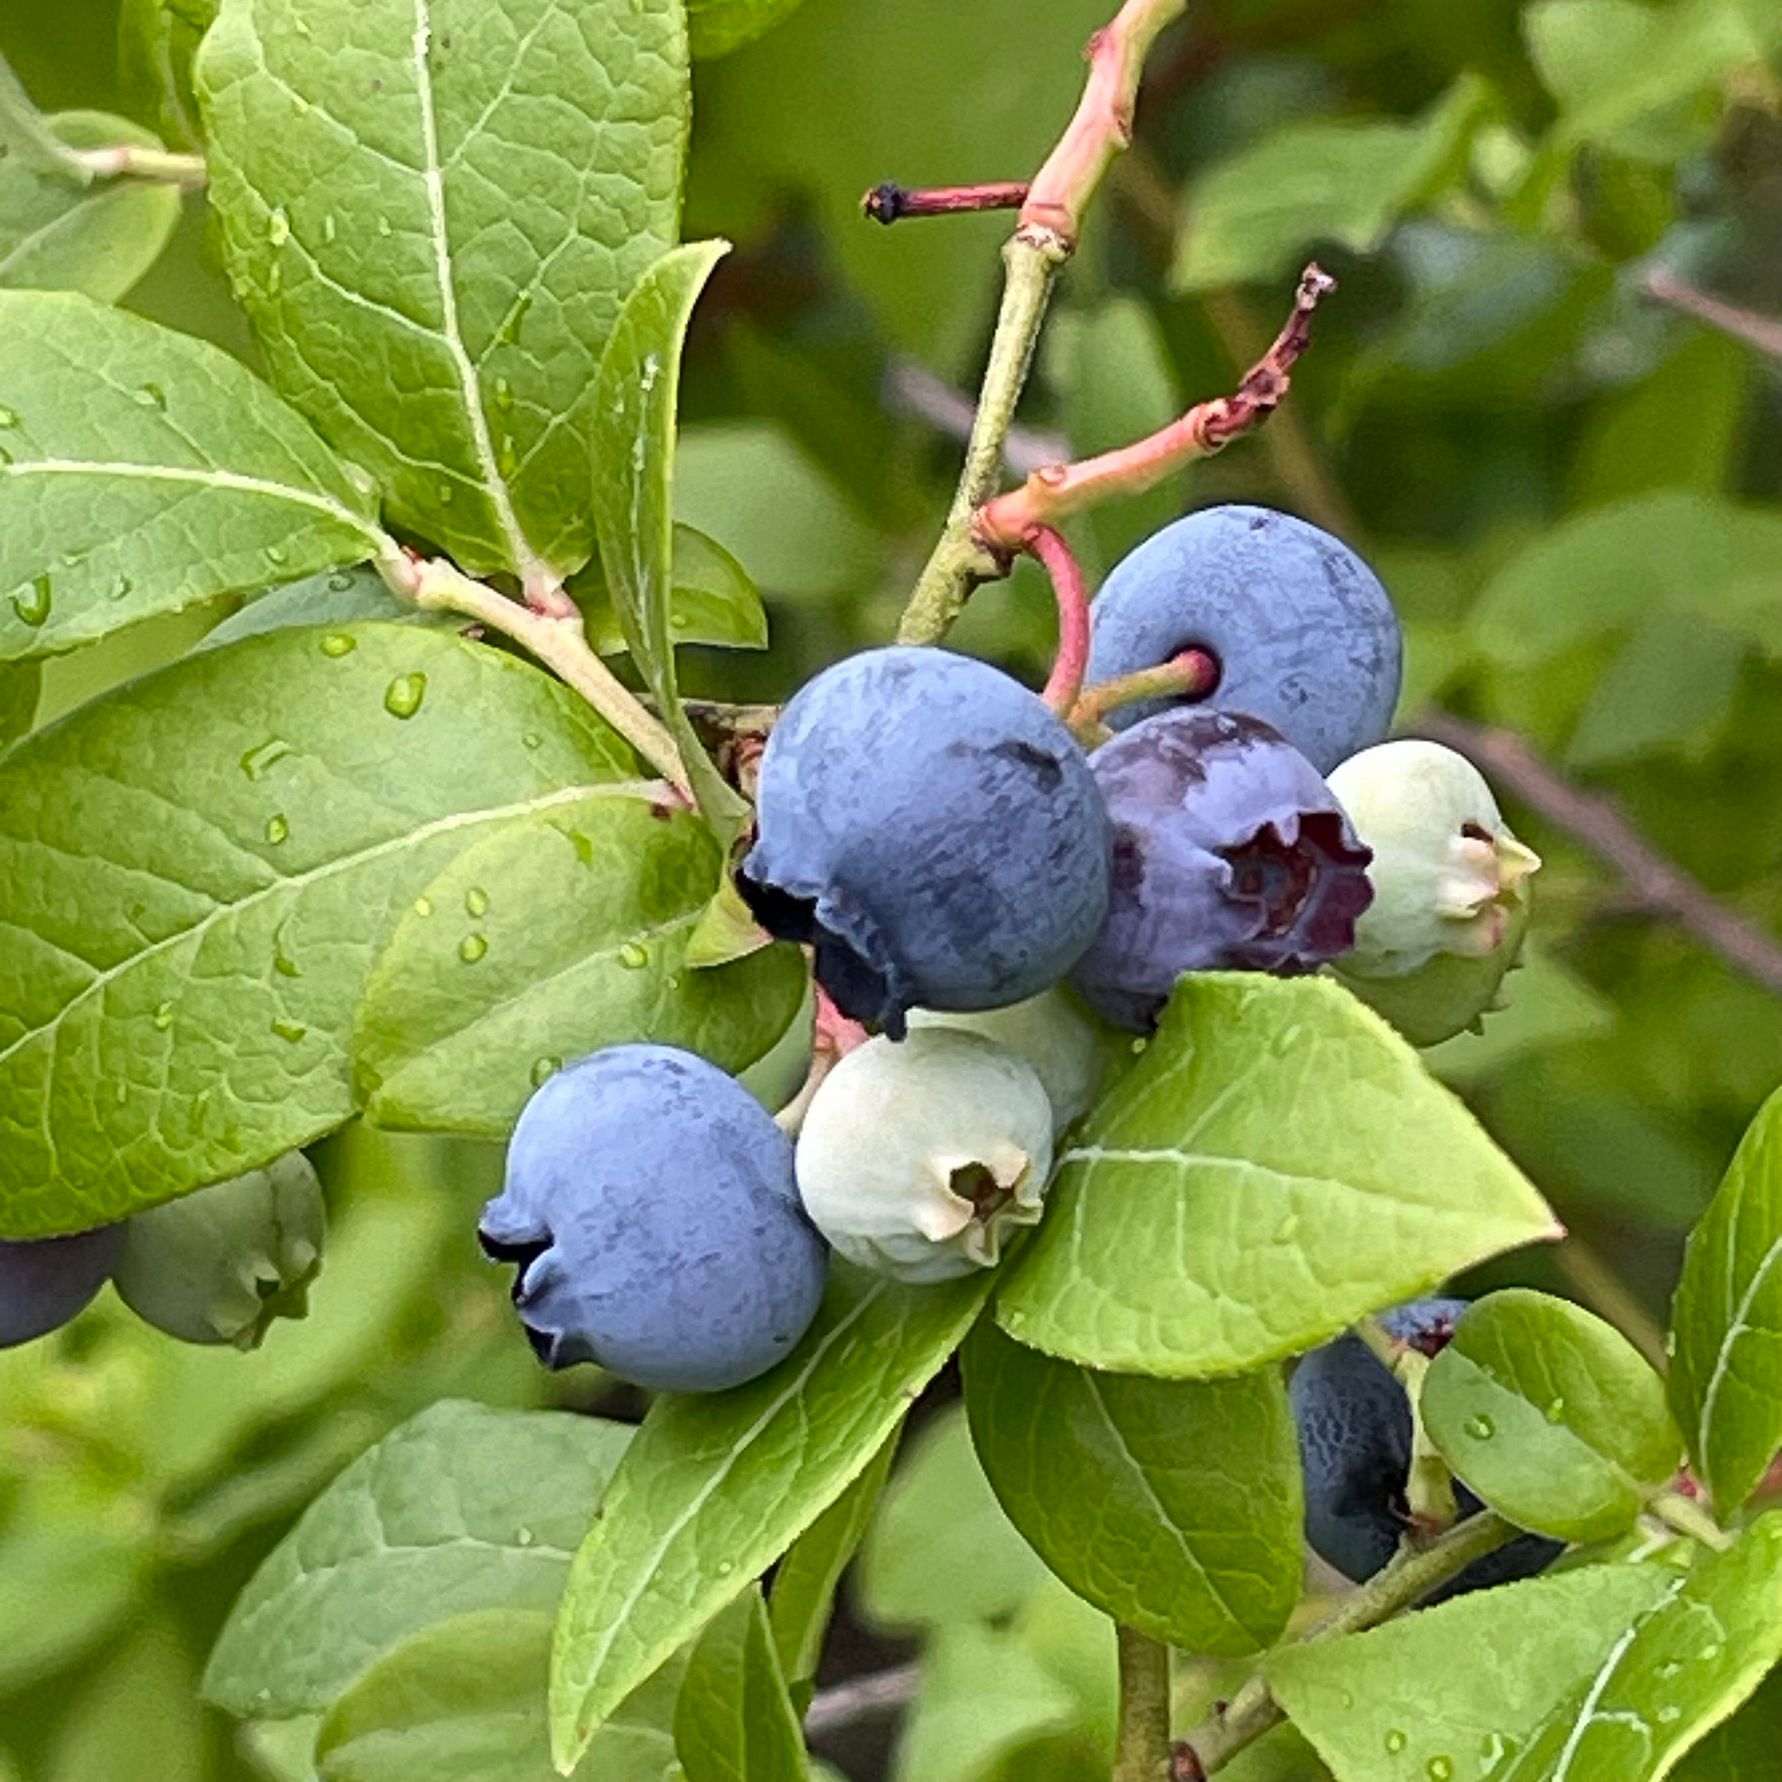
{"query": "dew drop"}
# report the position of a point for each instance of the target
(476, 901)
(278, 226)
(263, 757)
(384, 229)
(504, 394)
(283, 963)
(532, 740)
(1492, 1751)
(403, 696)
(163, 1016)
(472, 948)
(329, 229)
(121, 589)
(278, 830)
(1710, 1652)
(5, 457)
(340, 581)
(634, 956)
(1441, 1769)
(1396, 1741)
(445, 494)
(543, 1069)
(524, 1536)
(1670, 1714)
(149, 396)
(726, 1567)
(120, 1093)
(1670, 1668)
(277, 556)
(1481, 1429)
(8, 417)
(338, 644)
(1284, 1232)
(32, 604)
(289, 1031)
(1556, 1411)
(423, 906)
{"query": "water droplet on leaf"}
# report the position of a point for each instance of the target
(263, 757)
(8, 417)
(543, 1069)
(1481, 1429)
(32, 604)
(338, 643)
(289, 1031)
(121, 589)
(423, 906)
(149, 396)
(403, 696)
(278, 226)
(1441, 1769)
(634, 956)
(163, 1016)
(1556, 1411)
(472, 948)
(1395, 1741)
(476, 901)
(278, 830)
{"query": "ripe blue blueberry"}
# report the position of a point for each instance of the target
(1304, 634)
(933, 831)
(1229, 852)
(47, 1281)
(651, 1205)
(1355, 1452)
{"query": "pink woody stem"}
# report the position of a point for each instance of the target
(890, 203)
(1060, 563)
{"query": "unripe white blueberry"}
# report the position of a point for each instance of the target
(1447, 873)
(918, 1156)
(221, 1264)
(1068, 1049)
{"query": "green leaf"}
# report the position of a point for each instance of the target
(554, 935)
(734, 1721)
(711, 600)
(142, 471)
(1454, 1691)
(340, 597)
(1173, 1505)
(58, 233)
(942, 1549)
(20, 684)
(201, 869)
(1672, 1677)
(1726, 1378)
(1671, 687)
(1278, 1163)
(1256, 215)
(1744, 1749)
(157, 40)
(25, 131)
(433, 231)
(463, 1700)
(1551, 1416)
(982, 1695)
(137, 1714)
(637, 392)
(1616, 567)
(720, 26)
(716, 1487)
(805, 1581)
(461, 1508)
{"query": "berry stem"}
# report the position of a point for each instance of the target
(833, 1037)
(130, 160)
(1191, 675)
(556, 638)
(1142, 1750)
(1687, 1517)
(1059, 490)
(1060, 562)
(1045, 238)
(1410, 1577)
(889, 202)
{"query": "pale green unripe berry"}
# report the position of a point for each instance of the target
(918, 1156)
(1068, 1050)
(221, 1264)
(1448, 876)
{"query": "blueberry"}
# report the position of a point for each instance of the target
(933, 831)
(1303, 632)
(47, 1281)
(1355, 1452)
(1229, 852)
(651, 1206)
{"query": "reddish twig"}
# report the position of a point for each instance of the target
(889, 202)
(1191, 675)
(1060, 490)
(833, 1037)
(861, 1698)
(1060, 562)
(1760, 331)
(1598, 823)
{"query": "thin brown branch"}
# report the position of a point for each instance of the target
(914, 390)
(889, 203)
(1053, 494)
(1597, 821)
(1760, 331)
(862, 1698)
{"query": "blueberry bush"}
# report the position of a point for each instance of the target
(1176, 1181)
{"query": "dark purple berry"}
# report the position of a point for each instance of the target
(1229, 852)
(45, 1282)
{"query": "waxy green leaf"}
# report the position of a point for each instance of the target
(734, 1721)
(1174, 1505)
(712, 600)
(1673, 1676)
(200, 871)
(547, 939)
(62, 233)
(340, 597)
(1452, 1693)
(461, 1508)
(633, 497)
(716, 1487)
(157, 40)
(142, 472)
(720, 26)
(432, 210)
(20, 684)
(1726, 1382)
(1278, 1163)
(463, 1700)
(1551, 1416)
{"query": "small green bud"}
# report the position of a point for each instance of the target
(918, 1156)
(221, 1264)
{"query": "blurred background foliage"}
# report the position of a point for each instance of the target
(1570, 480)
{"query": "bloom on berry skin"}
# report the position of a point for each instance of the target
(918, 1157)
(1448, 875)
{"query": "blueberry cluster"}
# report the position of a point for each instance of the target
(967, 876)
